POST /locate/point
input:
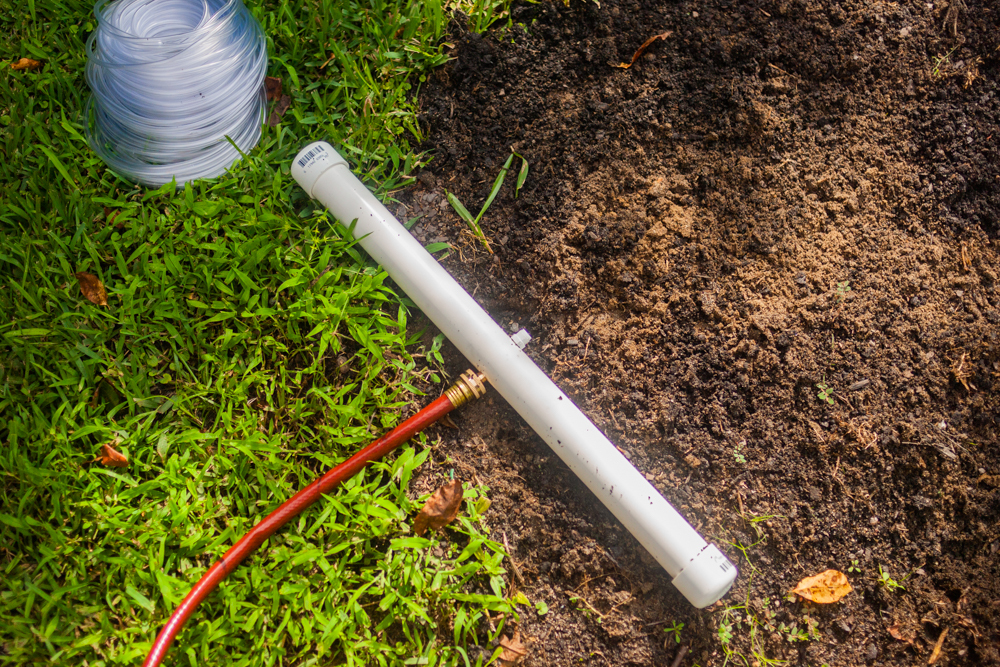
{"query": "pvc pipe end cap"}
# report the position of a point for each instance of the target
(706, 578)
(312, 162)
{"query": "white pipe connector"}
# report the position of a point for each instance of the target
(699, 570)
(521, 338)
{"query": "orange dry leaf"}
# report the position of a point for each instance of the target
(645, 45)
(824, 588)
(898, 634)
(92, 288)
(112, 457)
(441, 509)
(514, 649)
(26, 63)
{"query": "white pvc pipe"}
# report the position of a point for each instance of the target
(701, 572)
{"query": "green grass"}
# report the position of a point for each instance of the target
(473, 222)
(246, 346)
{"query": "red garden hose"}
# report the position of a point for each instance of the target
(469, 386)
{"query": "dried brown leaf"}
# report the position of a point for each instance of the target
(272, 84)
(642, 49)
(110, 215)
(26, 63)
(898, 634)
(817, 432)
(824, 588)
(514, 649)
(112, 458)
(440, 509)
(92, 288)
(279, 110)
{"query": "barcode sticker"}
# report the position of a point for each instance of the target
(310, 155)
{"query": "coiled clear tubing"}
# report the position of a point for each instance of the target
(171, 79)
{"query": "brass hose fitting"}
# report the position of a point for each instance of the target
(470, 385)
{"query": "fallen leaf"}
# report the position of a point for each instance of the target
(279, 110)
(112, 457)
(272, 84)
(897, 634)
(818, 432)
(92, 288)
(824, 588)
(936, 653)
(645, 45)
(441, 509)
(514, 649)
(111, 214)
(26, 63)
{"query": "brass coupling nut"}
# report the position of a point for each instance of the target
(470, 385)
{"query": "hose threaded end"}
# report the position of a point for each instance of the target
(469, 386)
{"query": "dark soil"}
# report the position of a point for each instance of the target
(781, 196)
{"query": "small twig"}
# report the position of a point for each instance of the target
(621, 604)
(681, 652)
(574, 598)
(843, 487)
(513, 565)
(936, 653)
(587, 581)
(644, 46)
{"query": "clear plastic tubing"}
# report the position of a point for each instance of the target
(171, 80)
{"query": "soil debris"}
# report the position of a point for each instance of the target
(681, 254)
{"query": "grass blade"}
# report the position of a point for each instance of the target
(469, 220)
(522, 175)
(496, 187)
(438, 247)
(459, 207)
(60, 167)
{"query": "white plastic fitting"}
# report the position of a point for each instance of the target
(699, 570)
(521, 338)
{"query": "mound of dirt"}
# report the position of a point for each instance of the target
(763, 259)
